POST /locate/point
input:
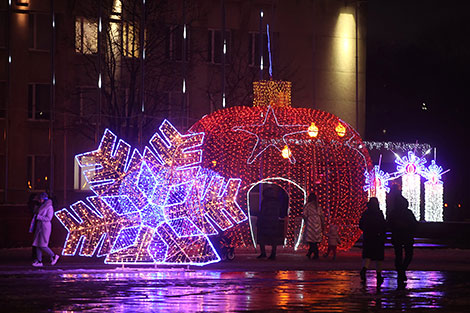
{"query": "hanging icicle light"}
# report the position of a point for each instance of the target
(433, 193)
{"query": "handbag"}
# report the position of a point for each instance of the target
(32, 226)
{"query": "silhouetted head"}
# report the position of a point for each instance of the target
(312, 197)
(373, 204)
(402, 203)
(43, 196)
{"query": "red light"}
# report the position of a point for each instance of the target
(323, 164)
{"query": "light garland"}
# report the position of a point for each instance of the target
(155, 207)
(422, 148)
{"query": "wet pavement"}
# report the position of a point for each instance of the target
(188, 290)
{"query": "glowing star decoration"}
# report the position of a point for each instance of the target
(377, 186)
(156, 207)
(411, 168)
(433, 193)
(270, 134)
(340, 130)
(313, 130)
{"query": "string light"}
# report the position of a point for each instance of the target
(156, 207)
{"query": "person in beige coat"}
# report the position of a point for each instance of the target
(314, 225)
(42, 230)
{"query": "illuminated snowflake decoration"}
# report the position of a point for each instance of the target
(158, 206)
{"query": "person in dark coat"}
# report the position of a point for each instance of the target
(373, 225)
(403, 224)
(269, 224)
(394, 194)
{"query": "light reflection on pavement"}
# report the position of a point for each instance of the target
(183, 290)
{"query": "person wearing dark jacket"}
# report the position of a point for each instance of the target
(403, 224)
(269, 224)
(373, 225)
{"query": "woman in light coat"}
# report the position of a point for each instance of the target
(314, 225)
(42, 231)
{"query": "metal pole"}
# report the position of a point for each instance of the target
(7, 105)
(142, 72)
(100, 29)
(224, 47)
(357, 66)
(52, 103)
(260, 44)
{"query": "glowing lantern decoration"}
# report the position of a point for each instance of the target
(411, 168)
(286, 154)
(433, 193)
(313, 130)
(340, 130)
(248, 142)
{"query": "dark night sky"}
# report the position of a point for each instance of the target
(419, 52)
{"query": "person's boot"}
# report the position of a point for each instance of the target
(402, 275)
(261, 256)
(272, 257)
(380, 279)
(363, 274)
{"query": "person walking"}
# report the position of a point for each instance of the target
(270, 230)
(42, 230)
(333, 241)
(314, 225)
(373, 225)
(403, 224)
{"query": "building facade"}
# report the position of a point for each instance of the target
(70, 69)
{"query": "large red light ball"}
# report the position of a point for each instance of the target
(246, 142)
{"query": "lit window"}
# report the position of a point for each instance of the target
(86, 35)
(215, 47)
(40, 31)
(130, 41)
(79, 180)
(39, 101)
(37, 172)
